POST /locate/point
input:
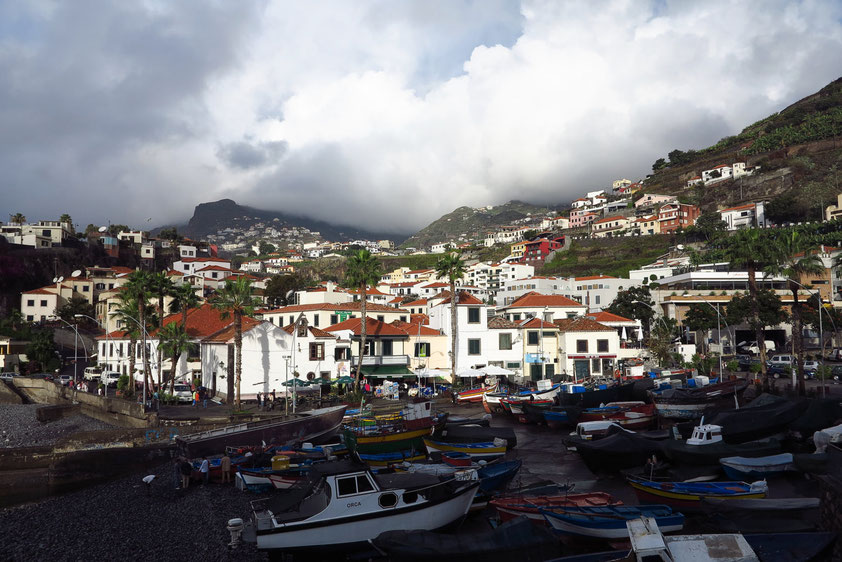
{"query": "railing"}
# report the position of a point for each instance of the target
(382, 360)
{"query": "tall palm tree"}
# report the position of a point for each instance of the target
(139, 287)
(161, 287)
(126, 310)
(236, 299)
(184, 298)
(752, 251)
(174, 341)
(17, 219)
(796, 261)
(452, 267)
(363, 270)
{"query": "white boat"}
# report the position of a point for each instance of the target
(344, 505)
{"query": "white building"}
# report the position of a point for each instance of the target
(744, 216)
(192, 265)
(544, 307)
(587, 348)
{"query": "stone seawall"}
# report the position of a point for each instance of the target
(7, 395)
(114, 411)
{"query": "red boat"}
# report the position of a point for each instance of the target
(630, 415)
(514, 506)
(474, 394)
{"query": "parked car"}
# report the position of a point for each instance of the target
(835, 354)
(92, 373)
(183, 393)
(811, 368)
(778, 371)
(110, 378)
(836, 372)
(8, 375)
(782, 360)
(750, 347)
(45, 376)
(745, 362)
(64, 380)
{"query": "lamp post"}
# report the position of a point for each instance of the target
(821, 331)
(300, 322)
(75, 347)
(105, 391)
(718, 333)
(143, 350)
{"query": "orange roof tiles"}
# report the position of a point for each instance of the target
(374, 327)
(581, 324)
(604, 316)
(537, 300)
(318, 332)
(415, 329)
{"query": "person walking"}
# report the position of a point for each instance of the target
(226, 468)
(186, 473)
(195, 398)
(258, 401)
(204, 395)
(204, 468)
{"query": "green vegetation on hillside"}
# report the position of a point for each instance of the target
(609, 256)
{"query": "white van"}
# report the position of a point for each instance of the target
(110, 378)
(92, 373)
(781, 361)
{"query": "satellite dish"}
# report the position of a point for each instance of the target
(60, 279)
(289, 293)
(102, 229)
(76, 273)
(55, 279)
(680, 247)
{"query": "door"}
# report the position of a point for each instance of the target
(581, 369)
(535, 371)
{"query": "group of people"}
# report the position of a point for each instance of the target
(184, 470)
(269, 401)
(200, 396)
(82, 386)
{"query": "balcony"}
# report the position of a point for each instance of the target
(378, 360)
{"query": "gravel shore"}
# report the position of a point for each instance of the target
(121, 520)
(20, 428)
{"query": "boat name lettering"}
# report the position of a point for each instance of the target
(354, 504)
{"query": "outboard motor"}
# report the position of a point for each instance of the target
(235, 527)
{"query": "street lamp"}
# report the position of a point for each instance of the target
(143, 350)
(821, 331)
(718, 333)
(75, 347)
(105, 329)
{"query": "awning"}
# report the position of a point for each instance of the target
(387, 371)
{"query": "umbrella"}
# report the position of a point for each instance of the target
(321, 380)
(465, 373)
(639, 334)
(295, 382)
(494, 370)
(343, 380)
(623, 335)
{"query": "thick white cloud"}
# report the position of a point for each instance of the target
(381, 114)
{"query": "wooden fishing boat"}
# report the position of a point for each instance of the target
(780, 515)
(609, 522)
(514, 540)
(688, 495)
(528, 412)
(611, 409)
(741, 468)
(394, 434)
(509, 507)
(344, 505)
(706, 446)
(557, 417)
(487, 450)
(619, 450)
(690, 403)
(474, 395)
(386, 459)
(304, 426)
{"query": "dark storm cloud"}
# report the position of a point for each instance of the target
(245, 155)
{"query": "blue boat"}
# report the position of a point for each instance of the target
(495, 475)
(561, 416)
(385, 459)
(609, 522)
(741, 468)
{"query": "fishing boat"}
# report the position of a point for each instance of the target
(491, 475)
(762, 417)
(557, 417)
(622, 449)
(525, 411)
(780, 515)
(585, 397)
(487, 450)
(474, 395)
(517, 539)
(631, 415)
(402, 433)
(474, 434)
(690, 403)
(609, 522)
(303, 426)
(689, 495)
(706, 446)
(742, 468)
(344, 505)
(511, 506)
(386, 459)
(494, 401)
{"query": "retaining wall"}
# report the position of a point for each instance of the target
(7, 395)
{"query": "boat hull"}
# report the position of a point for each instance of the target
(308, 426)
(342, 534)
(582, 524)
(477, 451)
(674, 495)
(390, 443)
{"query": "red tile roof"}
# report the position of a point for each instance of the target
(604, 316)
(463, 298)
(739, 208)
(227, 333)
(317, 332)
(192, 260)
(592, 277)
(213, 268)
(537, 323)
(374, 327)
(537, 300)
(415, 329)
(581, 324)
(41, 291)
(419, 302)
(349, 306)
(498, 322)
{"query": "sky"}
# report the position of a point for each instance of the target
(379, 114)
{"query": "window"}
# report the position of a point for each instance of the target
(342, 353)
(380, 317)
(581, 346)
(292, 319)
(334, 319)
(594, 365)
(315, 320)
(513, 365)
(473, 316)
(602, 346)
(515, 317)
(317, 351)
(532, 338)
(474, 347)
(86, 288)
(44, 303)
(549, 370)
(29, 318)
(596, 299)
(387, 347)
(346, 486)
(369, 347)
(505, 341)
(403, 318)
(422, 349)
(30, 302)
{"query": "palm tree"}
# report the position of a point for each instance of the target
(126, 311)
(139, 288)
(161, 286)
(173, 341)
(363, 270)
(236, 299)
(752, 251)
(796, 261)
(452, 267)
(17, 219)
(184, 298)
(66, 219)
